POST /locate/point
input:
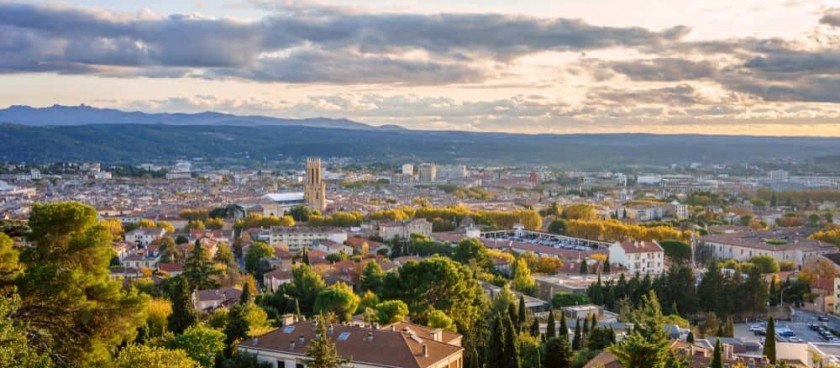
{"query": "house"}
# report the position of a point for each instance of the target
(373, 247)
(398, 345)
(144, 236)
(297, 237)
(206, 300)
(643, 257)
(332, 247)
(274, 279)
(147, 258)
(400, 229)
(784, 245)
(172, 268)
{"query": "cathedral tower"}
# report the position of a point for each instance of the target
(314, 190)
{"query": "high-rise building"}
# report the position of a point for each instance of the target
(428, 173)
(408, 169)
(314, 191)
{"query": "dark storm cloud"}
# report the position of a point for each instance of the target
(338, 47)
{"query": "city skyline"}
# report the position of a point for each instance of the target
(752, 68)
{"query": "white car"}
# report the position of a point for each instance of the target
(795, 339)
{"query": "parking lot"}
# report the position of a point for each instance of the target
(805, 329)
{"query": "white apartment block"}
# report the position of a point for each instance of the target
(642, 257)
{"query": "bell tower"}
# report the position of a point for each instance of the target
(314, 190)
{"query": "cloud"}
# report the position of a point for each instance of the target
(831, 17)
(664, 69)
(682, 94)
(329, 46)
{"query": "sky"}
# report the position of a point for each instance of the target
(749, 67)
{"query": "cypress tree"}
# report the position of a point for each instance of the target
(770, 341)
(564, 329)
(513, 317)
(583, 268)
(594, 322)
(535, 327)
(717, 359)
(690, 338)
(245, 298)
(730, 327)
(558, 353)
(773, 293)
(585, 326)
(495, 349)
(305, 256)
(550, 330)
(237, 326)
(183, 313)
(511, 345)
(607, 265)
(522, 317)
(577, 338)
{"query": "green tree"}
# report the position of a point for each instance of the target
(321, 351)
(391, 311)
(717, 358)
(10, 266)
(202, 344)
(199, 270)
(564, 328)
(583, 267)
(437, 283)
(306, 284)
(145, 356)
(254, 258)
(551, 327)
(242, 359)
(522, 316)
(522, 280)
(237, 326)
(558, 353)
(224, 255)
(70, 304)
(770, 342)
(15, 350)
(677, 251)
(300, 213)
(646, 346)
(577, 339)
(168, 250)
(765, 264)
(439, 319)
(690, 338)
(371, 278)
(502, 350)
(535, 328)
(557, 227)
(471, 250)
(338, 299)
(600, 338)
(183, 313)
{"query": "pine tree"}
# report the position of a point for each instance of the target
(535, 327)
(564, 329)
(550, 329)
(522, 315)
(576, 340)
(183, 313)
(321, 351)
(717, 358)
(770, 341)
(198, 269)
(495, 348)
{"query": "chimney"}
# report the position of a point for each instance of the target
(330, 330)
(425, 351)
(301, 339)
(393, 328)
(255, 342)
(370, 337)
(288, 319)
(292, 345)
(437, 334)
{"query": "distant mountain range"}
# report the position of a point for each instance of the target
(58, 115)
(137, 143)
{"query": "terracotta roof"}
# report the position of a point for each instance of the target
(279, 274)
(640, 246)
(225, 293)
(170, 267)
(403, 349)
